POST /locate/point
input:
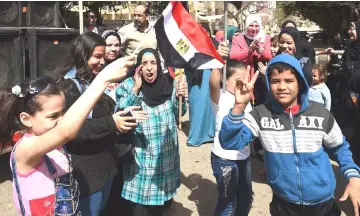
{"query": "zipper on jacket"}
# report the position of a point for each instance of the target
(296, 157)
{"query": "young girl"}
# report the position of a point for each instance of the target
(43, 183)
(231, 168)
(319, 92)
(274, 45)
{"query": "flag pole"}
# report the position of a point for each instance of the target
(81, 17)
(225, 39)
(181, 79)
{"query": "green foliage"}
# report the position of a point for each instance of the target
(329, 15)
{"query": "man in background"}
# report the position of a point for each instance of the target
(138, 32)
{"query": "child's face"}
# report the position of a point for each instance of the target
(46, 119)
(231, 81)
(284, 88)
(274, 49)
(316, 77)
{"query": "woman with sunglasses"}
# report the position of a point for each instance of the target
(43, 183)
(93, 150)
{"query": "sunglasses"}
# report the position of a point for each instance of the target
(91, 16)
(37, 86)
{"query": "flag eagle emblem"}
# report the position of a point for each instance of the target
(182, 46)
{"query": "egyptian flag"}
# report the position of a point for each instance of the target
(182, 42)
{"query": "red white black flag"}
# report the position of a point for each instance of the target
(182, 42)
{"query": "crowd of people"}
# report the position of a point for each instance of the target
(102, 139)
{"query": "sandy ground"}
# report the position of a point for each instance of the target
(197, 194)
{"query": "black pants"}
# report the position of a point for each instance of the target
(144, 210)
(116, 205)
(280, 207)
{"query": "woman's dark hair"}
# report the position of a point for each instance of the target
(79, 54)
(23, 98)
(206, 27)
(232, 65)
(283, 25)
(108, 33)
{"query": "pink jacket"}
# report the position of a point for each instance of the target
(240, 51)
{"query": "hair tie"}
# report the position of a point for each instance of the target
(16, 90)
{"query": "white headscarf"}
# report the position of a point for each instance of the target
(250, 19)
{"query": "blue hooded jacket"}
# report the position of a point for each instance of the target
(295, 145)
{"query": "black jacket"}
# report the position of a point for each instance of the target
(93, 151)
(307, 50)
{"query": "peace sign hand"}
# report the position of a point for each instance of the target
(244, 88)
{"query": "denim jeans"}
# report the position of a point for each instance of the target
(233, 178)
(93, 204)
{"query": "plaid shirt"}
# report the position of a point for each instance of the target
(154, 175)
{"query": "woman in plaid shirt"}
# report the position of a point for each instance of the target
(152, 179)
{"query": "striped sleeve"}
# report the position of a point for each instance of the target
(336, 144)
(334, 137)
(234, 134)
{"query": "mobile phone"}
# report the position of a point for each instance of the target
(130, 113)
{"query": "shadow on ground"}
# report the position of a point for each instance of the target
(5, 171)
(203, 194)
(185, 127)
(341, 183)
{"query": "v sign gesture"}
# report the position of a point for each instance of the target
(244, 91)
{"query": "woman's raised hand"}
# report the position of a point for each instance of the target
(138, 79)
(223, 49)
(181, 88)
(244, 88)
(262, 68)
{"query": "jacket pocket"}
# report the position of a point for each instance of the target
(285, 185)
(316, 186)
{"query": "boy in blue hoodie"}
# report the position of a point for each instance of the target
(295, 134)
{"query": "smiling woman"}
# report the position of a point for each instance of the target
(113, 43)
(93, 150)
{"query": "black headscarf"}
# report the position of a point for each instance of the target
(306, 64)
(108, 33)
(161, 89)
(294, 33)
(354, 46)
(287, 22)
(303, 47)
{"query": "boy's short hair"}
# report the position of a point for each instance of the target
(322, 71)
(232, 65)
(282, 67)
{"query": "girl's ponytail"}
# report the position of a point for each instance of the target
(9, 110)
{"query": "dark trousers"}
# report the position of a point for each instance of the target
(145, 210)
(116, 205)
(233, 179)
(280, 207)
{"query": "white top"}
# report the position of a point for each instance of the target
(226, 102)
